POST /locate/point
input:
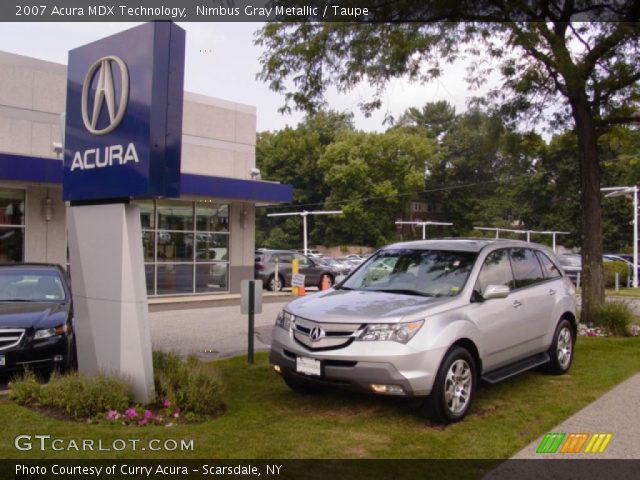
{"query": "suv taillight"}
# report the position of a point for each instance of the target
(259, 266)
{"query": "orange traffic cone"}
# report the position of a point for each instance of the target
(325, 282)
(301, 292)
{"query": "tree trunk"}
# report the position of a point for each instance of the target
(591, 214)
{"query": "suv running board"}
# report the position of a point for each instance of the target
(512, 369)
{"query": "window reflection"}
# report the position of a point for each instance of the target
(187, 250)
(174, 278)
(212, 217)
(175, 246)
(174, 215)
(11, 225)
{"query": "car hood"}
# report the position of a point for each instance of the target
(359, 306)
(32, 314)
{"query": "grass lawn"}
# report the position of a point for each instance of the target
(623, 292)
(265, 420)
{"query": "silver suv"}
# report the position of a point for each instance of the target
(430, 319)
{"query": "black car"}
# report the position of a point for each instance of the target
(36, 319)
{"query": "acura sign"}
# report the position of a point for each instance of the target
(105, 94)
(124, 116)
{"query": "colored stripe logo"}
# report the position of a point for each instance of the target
(574, 443)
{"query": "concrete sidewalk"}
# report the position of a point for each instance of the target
(616, 412)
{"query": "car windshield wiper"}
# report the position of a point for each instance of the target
(16, 300)
(402, 291)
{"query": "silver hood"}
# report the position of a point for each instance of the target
(359, 306)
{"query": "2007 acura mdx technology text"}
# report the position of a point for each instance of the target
(432, 318)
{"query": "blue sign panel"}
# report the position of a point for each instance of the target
(123, 133)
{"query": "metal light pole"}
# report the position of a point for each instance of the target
(304, 214)
(528, 233)
(424, 225)
(628, 191)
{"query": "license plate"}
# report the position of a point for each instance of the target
(308, 366)
(3, 361)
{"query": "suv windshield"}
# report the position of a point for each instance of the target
(432, 273)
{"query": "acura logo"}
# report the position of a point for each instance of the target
(105, 94)
(316, 334)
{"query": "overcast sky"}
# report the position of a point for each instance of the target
(222, 61)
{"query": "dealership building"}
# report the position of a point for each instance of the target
(201, 243)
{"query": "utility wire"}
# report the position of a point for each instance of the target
(367, 199)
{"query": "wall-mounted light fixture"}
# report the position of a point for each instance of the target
(255, 174)
(243, 217)
(47, 208)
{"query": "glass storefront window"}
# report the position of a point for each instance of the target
(174, 278)
(212, 277)
(210, 246)
(175, 215)
(187, 249)
(212, 217)
(175, 246)
(149, 245)
(150, 277)
(11, 241)
(147, 213)
(12, 225)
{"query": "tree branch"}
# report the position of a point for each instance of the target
(601, 94)
(618, 120)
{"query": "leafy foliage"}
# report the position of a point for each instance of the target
(78, 395)
(552, 64)
(191, 384)
(616, 317)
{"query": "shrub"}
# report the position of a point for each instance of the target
(616, 317)
(82, 397)
(25, 390)
(78, 395)
(192, 385)
(610, 269)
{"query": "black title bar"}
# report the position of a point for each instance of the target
(358, 11)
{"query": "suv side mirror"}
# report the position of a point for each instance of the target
(495, 291)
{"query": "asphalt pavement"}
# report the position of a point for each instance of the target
(214, 329)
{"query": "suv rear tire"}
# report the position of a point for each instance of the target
(561, 350)
(275, 285)
(454, 387)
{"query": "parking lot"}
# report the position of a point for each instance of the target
(212, 329)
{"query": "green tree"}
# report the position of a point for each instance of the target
(550, 57)
(291, 156)
(433, 119)
(373, 177)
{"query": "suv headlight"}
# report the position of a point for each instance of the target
(284, 320)
(393, 332)
(50, 332)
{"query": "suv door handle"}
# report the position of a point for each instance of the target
(517, 304)
(552, 292)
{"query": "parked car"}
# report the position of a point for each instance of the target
(339, 266)
(312, 269)
(36, 319)
(445, 315)
(572, 265)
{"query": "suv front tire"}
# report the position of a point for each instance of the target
(454, 387)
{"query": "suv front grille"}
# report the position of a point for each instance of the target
(10, 337)
(324, 336)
